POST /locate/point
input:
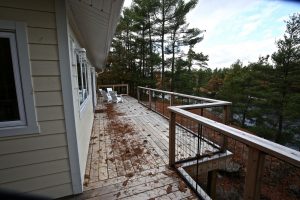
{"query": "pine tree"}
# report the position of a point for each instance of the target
(285, 82)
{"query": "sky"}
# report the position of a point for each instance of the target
(239, 29)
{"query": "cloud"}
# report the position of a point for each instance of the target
(249, 27)
(239, 29)
(127, 3)
(213, 15)
(247, 51)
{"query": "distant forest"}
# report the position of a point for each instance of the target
(154, 47)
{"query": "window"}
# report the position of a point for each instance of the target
(11, 98)
(17, 112)
(82, 73)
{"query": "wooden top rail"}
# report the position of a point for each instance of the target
(204, 105)
(284, 153)
(115, 85)
(183, 95)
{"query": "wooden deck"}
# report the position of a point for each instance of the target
(128, 156)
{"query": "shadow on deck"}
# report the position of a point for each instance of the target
(128, 156)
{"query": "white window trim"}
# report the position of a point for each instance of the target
(20, 57)
(84, 103)
(18, 85)
(83, 61)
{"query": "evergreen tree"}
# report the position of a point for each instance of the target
(284, 85)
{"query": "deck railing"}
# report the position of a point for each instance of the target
(220, 161)
(120, 88)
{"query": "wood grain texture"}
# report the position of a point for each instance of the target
(111, 175)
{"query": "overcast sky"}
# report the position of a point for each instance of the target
(239, 29)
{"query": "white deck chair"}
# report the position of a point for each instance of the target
(106, 96)
(116, 98)
(109, 90)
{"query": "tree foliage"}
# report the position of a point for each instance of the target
(148, 46)
(148, 50)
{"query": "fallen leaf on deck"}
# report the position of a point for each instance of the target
(150, 174)
(169, 189)
(129, 175)
(85, 184)
(182, 187)
(118, 194)
(125, 182)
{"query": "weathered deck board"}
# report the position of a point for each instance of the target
(111, 175)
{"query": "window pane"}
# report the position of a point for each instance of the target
(9, 110)
(87, 79)
(84, 80)
(79, 75)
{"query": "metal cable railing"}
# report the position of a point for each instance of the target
(219, 161)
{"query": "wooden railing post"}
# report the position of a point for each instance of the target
(212, 183)
(171, 99)
(138, 94)
(255, 164)
(150, 98)
(172, 130)
(226, 119)
(226, 113)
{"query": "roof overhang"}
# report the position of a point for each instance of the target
(94, 23)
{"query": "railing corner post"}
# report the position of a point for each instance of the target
(226, 113)
(226, 120)
(255, 165)
(172, 100)
(150, 98)
(138, 94)
(172, 133)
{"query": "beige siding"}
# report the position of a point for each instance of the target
(35, 183)
(43, 52)
(31, 171)
(45, 83)
(38, 162)
(45, 68)
(42, 36)
(50, 113)
(52, 127)
(32, 143)
(37, 5)
(35, 19)
(48, 98)
(31, 157)
(55, 191)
